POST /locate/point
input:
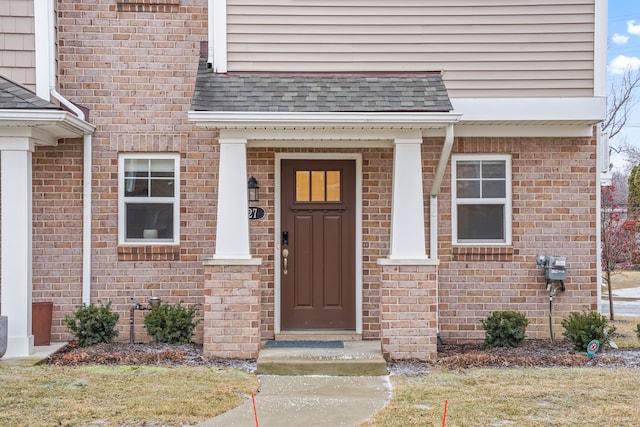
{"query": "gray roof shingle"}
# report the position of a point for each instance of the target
(319, 92)
(16, 97)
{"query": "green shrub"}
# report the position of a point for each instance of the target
(91, 324)
(638, 330)
(582, 328)
(504, 329)
(173, 324)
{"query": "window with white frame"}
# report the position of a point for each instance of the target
(481, 199)
(149, 195)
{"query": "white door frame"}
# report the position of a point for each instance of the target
(278, 259)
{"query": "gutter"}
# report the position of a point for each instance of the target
(433, 211)
(49, 11)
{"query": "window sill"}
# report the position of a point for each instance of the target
(149, 253)
(483, 253)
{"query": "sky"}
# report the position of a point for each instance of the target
(623, 53)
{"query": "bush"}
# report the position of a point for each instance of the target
(91, 324)
(504, 329)
(638, 330)
(582, 328)
(173, 324)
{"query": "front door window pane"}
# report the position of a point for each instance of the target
(317, 186)
(333, 186)
(302, 186)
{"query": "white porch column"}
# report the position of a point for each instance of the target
(407, 210)
(15, 167)
(232, 231)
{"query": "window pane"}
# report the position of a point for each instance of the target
(333, 186)
(468, 169)
(317, 186)
(493, 189)
(162, 188)
(149, 216)
(493, 169)
(136, 187)
(162, 167)
(136, 165)
(302, 186)
(468, 189)
(481, 222)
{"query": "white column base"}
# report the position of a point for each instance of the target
(19, 346)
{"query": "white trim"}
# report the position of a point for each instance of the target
(300, 135)
(43, 52)
(175, 200)
(270, 120)
(217, 52)
(406, 261)
(278, 217)
(507, 200)
(588, 110)
(548, 130)
(60, 124)
(600, 48)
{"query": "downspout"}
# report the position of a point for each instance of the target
(447, 146)
(87, 162)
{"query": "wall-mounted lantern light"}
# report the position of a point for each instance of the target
(253, 188)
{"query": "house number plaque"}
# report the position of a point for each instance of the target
(255, 212)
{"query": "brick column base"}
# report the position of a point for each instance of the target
(232, 309)
(408, 311)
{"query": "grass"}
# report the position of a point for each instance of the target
(625, 279)
(518, 397)
(626, 335)
(118, 395)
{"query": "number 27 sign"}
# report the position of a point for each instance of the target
(256, 213)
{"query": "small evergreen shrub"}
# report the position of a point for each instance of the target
(91, 324)
(582, 328)
(173, 324)
(504, 329)
(638, 330)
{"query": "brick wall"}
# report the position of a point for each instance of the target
(554, 212)
(135, 71)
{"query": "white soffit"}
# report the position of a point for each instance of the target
(46, 125)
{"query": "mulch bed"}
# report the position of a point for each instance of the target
(533, 353)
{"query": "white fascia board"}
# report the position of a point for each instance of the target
(42, 46)
(589, 109)
(59, 123)
(241, 119)
(523, 130)
(600, 48)
(217, 54)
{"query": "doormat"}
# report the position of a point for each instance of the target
(303, 344)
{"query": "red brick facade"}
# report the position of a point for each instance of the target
(135, 71)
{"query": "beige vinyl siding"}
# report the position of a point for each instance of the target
(491, 48)
(17, 42)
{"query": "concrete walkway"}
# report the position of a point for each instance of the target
(309, 401)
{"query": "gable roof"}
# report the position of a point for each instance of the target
(280, 92)
(16, 97)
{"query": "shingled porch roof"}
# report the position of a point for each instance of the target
(319, 92)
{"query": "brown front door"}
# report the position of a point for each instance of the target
(318, 244)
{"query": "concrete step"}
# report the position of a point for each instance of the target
(357, 358)
(318, 336)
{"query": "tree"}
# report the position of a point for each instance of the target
(620, 102)
(633, 190)
(619, 240)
